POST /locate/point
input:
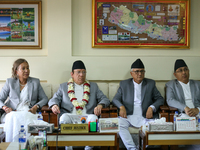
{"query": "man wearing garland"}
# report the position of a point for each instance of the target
(138, 101)
(78, 96)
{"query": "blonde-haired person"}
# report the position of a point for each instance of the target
(26, 97)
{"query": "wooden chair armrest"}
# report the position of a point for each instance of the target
(164, 108)
(105, 112)
(164, 112)
(49, 116)
(172, 109)
(105, 109)
(113, 108)
(46, 108)
(113, 111)
(171, 113)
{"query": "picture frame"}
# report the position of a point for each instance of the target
(141, 24)
(21, 24)
(108, 124)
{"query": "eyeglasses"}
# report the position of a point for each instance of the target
(79, 72)
(139, 71)
(181, 70)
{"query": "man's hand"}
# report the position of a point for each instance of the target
(97, 110)
(122, 112)
(187, 110)
(149, 113)
(192, 112)
(33, 109)
(55, 109)
(7, 109)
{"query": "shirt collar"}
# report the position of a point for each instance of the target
(184, 83)
(137, 83)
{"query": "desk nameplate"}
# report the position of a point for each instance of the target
(74, 128)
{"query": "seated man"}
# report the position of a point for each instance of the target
(78, 96)
(183, 93)
(138, 101)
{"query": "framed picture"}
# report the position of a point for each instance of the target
(108, 125)
(141, 24)
(20, 24)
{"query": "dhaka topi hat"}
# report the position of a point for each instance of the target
(137, 64)
(78, 65)
(179, 63)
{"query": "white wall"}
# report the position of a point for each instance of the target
(65, 40)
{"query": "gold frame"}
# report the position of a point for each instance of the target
(39, 26)
(96, 42)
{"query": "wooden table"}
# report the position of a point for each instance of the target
(3, 145)
(168, 138)
(84, 139)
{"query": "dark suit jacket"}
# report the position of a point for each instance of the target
(175, 95)
(11, 89)
(62, 99)
(150, 96)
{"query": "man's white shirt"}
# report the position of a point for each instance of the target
(78, 89)
(187, 94)
(136, 119)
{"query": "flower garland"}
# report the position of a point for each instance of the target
(86, 92)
